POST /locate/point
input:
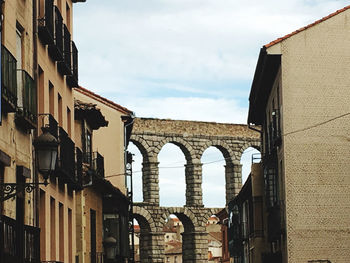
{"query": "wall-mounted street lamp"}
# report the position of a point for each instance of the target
(46, 146)
(110, 246)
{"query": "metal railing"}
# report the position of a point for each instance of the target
(66, 158)
(65, 65)
(31, 244)
(72, 79)
(96, 257)
(26, 98)
(46, 24)
(56, 48)
(11, 242)
(96, 162)
(9, 79)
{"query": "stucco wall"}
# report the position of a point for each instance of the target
(15, 142)
(315, 89)
(109, 141)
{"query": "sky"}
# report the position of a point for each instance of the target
(183, 59)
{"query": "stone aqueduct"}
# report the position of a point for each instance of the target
(193, 138)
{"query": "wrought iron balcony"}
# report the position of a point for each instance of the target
(18, 243)
(26, 101)
(275, 226)
(72, 80)
(8, 80)
(65, 167)
(96, 257)
(79, 167)
(56, 48)
(46, 24)
(64, 66)
(96, 163)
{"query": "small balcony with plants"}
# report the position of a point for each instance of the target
(94, 163)
(26, 113)
(46, 22)
(8, 80)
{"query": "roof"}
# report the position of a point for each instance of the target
(103, 100)
(215, 235)
(91, 113)
(278, 40)
(176, 247)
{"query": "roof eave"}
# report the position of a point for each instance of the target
(264, 77)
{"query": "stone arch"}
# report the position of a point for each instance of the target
(142, 145)
(185, 147)
(222, 146)
(145, 218)
(185, 215)
(246, 145)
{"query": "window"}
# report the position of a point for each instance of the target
(69, 120)
(68, 17)
(51, 99)
(19, 54)
(59, 100)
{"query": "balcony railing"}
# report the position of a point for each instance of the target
(46, 24)
(65, 167)
(96, 257)
(8, 80)
(96, 162)
(56, 49)
(11, 243)
(72, 79)
(31, 244)
(65, 65)
(26, 100)
(79, 166)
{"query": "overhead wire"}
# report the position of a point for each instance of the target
(175, 167)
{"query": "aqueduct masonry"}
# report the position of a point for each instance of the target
(193, 138)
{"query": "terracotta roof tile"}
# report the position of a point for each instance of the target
(306, 27)
(103, 100)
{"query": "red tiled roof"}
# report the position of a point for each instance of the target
(306, 27)
(103, 100)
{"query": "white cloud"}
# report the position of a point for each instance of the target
(180, 59)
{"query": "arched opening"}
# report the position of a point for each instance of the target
(179, 238)
(249, 156)
(213, 228)
(213, 177)
(142, 239)
(173, 229)
(171, 176)
(136, 172)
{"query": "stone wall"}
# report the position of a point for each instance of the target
(193, 138)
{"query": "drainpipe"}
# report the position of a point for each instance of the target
(35, 76)
(253, 128)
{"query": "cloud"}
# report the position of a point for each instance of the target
(180, 59)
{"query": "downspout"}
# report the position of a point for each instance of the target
(254, 129)
(132, 116)
(35, 75)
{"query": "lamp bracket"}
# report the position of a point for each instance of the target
(9, 190)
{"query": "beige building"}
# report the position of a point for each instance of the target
(103, 203)
(299, 97)
(18, 119)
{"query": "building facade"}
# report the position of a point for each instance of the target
(299, 99)
(18, 222)
(105, 200)
(79, 209)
